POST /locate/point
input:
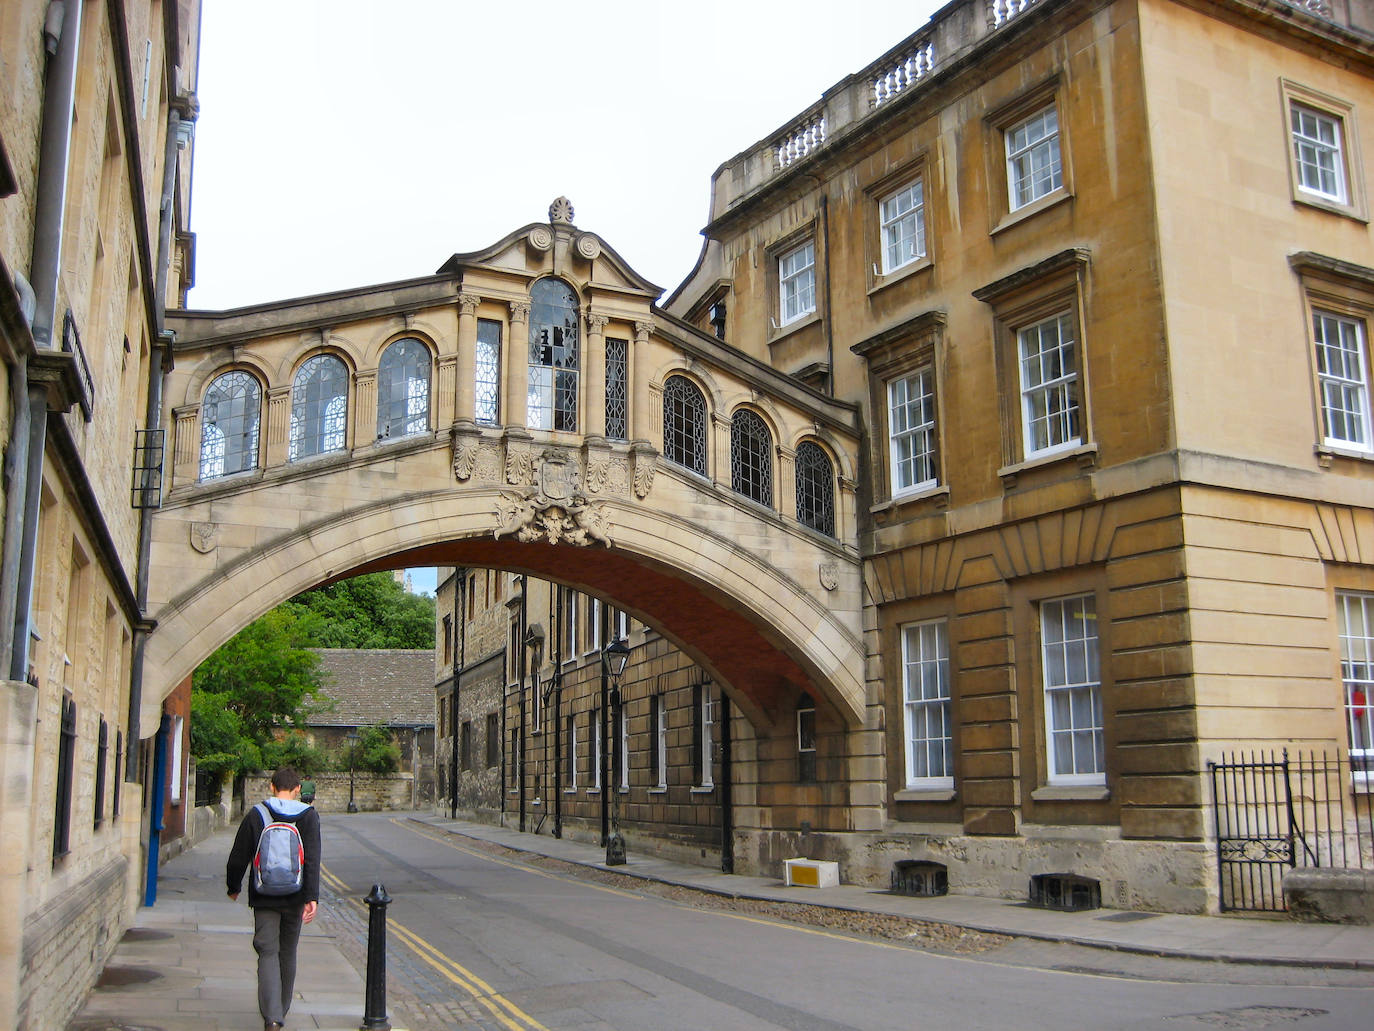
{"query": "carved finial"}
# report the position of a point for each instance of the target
(561, 212)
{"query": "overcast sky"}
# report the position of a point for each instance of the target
(348, 142)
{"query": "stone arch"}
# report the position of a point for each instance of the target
(818, 435)
(215, 364)
(701, 377)
(750, 626)
(372, 357)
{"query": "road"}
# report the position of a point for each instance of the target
(485, 940)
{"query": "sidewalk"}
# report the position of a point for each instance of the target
(187, 964)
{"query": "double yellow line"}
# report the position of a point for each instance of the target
(506, 1012)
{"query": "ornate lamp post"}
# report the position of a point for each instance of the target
(352, 737)
(614, 660)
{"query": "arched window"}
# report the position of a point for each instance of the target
(552, 401)
(403, 390)
(751, 457)
(684, 424)
(319, 408)
(815, 489)
(229, 419)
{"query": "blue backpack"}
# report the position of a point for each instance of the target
(279, 862)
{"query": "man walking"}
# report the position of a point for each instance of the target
(277, 918)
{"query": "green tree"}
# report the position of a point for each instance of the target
(368, 611)
(264, 677)
(375, 751)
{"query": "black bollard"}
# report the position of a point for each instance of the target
(374, 1012)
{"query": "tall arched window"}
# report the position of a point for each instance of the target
(319, 407)
(403, 390)
(751, 457)
(684, 424)
(815, 488)
(229, 419)
(552, 402)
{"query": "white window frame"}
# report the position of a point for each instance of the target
(595, 786)
(1035, 162)
(902, 220)
(661, 712)
(1355, 627)
(571, 760)
(1343, 384)
(1063, 423)
(708, 780)
(1066, 694)
(1306, 125)
(912, 440)
(926, 705)
(624, 745)
(797, 283)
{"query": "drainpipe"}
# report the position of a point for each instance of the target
(459, 662)
(557, 718)
(524, 672)
(603, 714)
(61, 38)
(156, 808)
(829, 325)
(159, 360)
(727, 810)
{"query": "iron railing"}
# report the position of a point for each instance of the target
(1274, 812)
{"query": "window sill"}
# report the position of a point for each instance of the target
(1035, 207)
(938, 496)
(658, 791)
(1084, 454)
(882, 280)
(1328, 453)
(1072, 793)
(777, 333)
(704, 790)
(932, 794)
(1344, 209)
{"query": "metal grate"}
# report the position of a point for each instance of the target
(684, 424)
(751, 457)
(815, 489)
(617, 405)
(146, 491)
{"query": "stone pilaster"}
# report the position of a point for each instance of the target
(365, 411)
(785, 500)
(517, 362)
(185, 445)
(718, 449)
(278, 425)
(467, 357)
(641, 408)
(594, 396)
(446, 378)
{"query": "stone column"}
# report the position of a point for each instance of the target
(594, 380)
(466, 411)
(640, 409)
(718, 450)
(785, 496)
(365, 401)
(185, 445)
(278, 429)
(516, 358)
(444, 390)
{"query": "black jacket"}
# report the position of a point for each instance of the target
(307, 822)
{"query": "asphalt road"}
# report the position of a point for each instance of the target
(489, 941)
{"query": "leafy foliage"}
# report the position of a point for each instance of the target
(369, 611)
(295, 749)
(375, 751)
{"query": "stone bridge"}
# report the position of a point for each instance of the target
(525, 408)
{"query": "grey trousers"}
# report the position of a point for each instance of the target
(275, 934)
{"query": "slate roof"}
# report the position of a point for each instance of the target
(382, 686)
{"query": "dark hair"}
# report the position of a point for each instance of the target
(286, 779)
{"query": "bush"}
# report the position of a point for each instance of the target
(375, 751)
(295, 749)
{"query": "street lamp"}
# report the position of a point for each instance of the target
(352, 737)
(613, 662)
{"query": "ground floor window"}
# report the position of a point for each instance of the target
(1355, 620)
(1073, 690)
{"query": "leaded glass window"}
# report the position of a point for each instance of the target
(684, 424)
(553, 357)
(617, 376)
(403, 390)
(815, 488)
(319, 408)
(487, 372)
(230, 417)
(751, 457)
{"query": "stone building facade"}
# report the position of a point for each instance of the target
(99, 101)
(1098, 275)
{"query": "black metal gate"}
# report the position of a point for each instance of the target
(1274, 813)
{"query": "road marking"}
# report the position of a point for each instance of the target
(513, 1016)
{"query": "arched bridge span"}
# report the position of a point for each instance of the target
(633, 477)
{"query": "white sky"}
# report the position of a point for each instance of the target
(348, 142)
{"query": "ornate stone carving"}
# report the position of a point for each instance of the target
(596, 322)
(519, 464)
(589, 246)
(541, 238)
(488, 464)
(598, 472)
(830, 574)
(561, 212)
(519, 311)
(645, 463)
(532, 516)
(642, 331)
(618, 476)
(464, 456)
(204, 537)
(467, 304)
(557, 474)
